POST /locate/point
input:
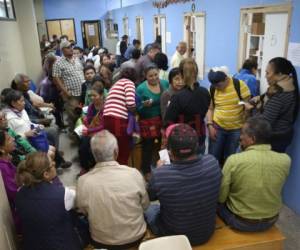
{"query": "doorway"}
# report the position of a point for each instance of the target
(159, 29)
(61, 27)
(140, 30)
(264, 33)
(194, 36)
(126, 26)
(91, 33)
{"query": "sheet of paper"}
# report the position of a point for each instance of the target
(91, 29)
(294, 53)
(164, 156)
(85, 109)
(168, 37)
(79, 130)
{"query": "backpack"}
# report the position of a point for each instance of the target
(237, 87)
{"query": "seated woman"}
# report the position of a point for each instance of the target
(19, 121)
(44, 207)
(280, 104)
(93, 123)
(8, 172)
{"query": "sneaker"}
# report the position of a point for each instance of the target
(66, 164)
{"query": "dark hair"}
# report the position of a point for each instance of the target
(124, 37)
(150, 67)
(128, 73)
(250, 64)
(102, 57)
(2, 137)
(136, 41)
(4, 93)
(259, 128)
(95, 51)
(154, 46)
(78, 48)
(158, 39)
(284, 66)
(216, 76)
(86, 68)
(173, 72)
(189, 71)
(161, 60)
(89, 60)
(136, 53)
(98, 87)
(12, 96)
(97, 78)
(64, 37)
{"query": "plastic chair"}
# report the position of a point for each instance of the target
(176, 242)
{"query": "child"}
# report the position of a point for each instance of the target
(89, 74)
(176, 84)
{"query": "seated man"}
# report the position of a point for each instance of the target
(113, 197)
(187, 189)
(253, 180)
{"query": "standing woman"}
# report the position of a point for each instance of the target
(121, 100)
(149, 92)
(280, 104)
(44, 206)
(189, 105)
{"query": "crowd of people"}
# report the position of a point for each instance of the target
(224, 147)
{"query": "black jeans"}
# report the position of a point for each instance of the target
(86, 157)
(150, 148)
(281, 141)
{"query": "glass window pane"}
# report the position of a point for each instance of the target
(2, 9)
(10, 9)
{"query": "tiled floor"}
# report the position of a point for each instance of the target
(288, 223)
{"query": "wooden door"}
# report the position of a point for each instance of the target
(91, 33)
(53, 28)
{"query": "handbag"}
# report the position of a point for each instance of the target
(151, 127)
(40, 141)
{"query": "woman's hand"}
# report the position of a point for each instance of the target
(148, 103)
(31, 133)
(212, 132)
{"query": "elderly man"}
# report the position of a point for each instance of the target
(187, 189)
(253, 180)
(145, 61)
(68, 77)
(179, 54)
(113, 197)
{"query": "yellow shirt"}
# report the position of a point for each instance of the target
(227, 113)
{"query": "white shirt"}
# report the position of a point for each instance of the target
(18, 121)
(70, 195)
(118, 52)
(176, 59)
(114, 197)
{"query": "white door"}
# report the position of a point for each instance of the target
(199, 43)
(276, 29)
(163, 34)
(142, 32)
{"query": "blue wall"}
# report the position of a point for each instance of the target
(78, 9)
(222, 31)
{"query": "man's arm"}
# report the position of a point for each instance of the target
(60, 86)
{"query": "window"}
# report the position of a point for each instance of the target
(7, 10)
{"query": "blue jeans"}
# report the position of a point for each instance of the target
(233, 221)
(151, 216)
(226, 143)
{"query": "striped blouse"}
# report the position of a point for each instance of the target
(121, 96)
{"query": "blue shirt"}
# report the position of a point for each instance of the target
(188, 194)
(250, 79)
(128, 52)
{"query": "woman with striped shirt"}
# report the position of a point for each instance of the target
(121, 100)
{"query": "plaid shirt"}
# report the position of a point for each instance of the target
(71, 74)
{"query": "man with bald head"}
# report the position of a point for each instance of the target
(113, 197)
(179, 54)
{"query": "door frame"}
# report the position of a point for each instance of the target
(266, 9)
(60, 19)
(83, 34)
(159, 16)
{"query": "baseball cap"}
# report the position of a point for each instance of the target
(65, 44)
(182, 140)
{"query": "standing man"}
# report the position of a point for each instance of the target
(145, 61)
(121, 47)
(179, 54)
(136, 44)
(68, 78)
